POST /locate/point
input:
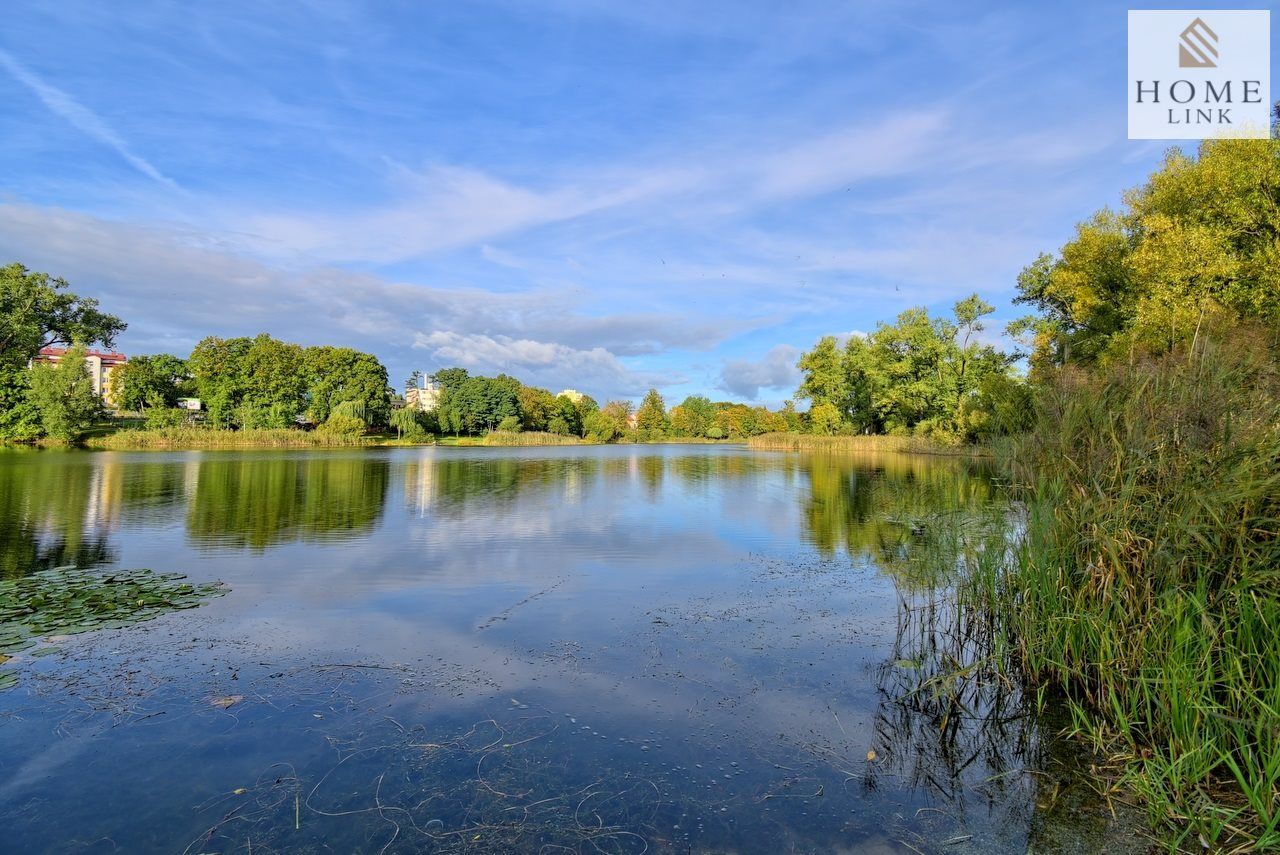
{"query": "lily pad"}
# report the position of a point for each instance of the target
(67, 601)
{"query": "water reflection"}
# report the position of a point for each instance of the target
(53, 515)
(60, 508)
(709, 640)
(255, 503)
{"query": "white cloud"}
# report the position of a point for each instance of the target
(174, 287)
(538, 362)
(776, 370)
(80, 117)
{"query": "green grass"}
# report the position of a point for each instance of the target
(1146, 589)
(879, 444)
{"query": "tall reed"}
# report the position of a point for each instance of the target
(515, 438)
(876, 443)
(203, 437)
(1147, 586)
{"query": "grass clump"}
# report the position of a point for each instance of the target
(1147, 587)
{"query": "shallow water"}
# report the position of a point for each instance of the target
(605, 649)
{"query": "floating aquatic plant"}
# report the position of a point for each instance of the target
(70, 600)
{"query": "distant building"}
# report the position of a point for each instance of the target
(101, 365)
(572, 394)
(425, 398)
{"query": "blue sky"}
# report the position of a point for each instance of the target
(603, 195)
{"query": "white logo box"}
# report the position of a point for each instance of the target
(1199, 74)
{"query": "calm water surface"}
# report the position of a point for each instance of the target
(606, 649)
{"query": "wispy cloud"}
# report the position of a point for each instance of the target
(81, 117)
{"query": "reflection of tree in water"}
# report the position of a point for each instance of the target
(897, 510)
(54, 512)
(256, 502)
(652, 471)
(454, 484)
(458, 485)
(695, 470)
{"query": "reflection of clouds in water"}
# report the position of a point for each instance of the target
(736, 597)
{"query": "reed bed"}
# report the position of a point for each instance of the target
(1147, 586)
(203, 438)
(781, 441)
(501, 437)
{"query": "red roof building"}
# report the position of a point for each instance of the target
(101, 364)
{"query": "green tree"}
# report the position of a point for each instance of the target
(218, 366)
(450, 378)
(584, 406)
(337, 374)
(19, 418)
(697, 414)
(536, 407)
(917, 375)
(567, 419)
(792, 419)
(824, 379)
(408, 422)
(1195, 248)
(476, 404)
(147, 381)
(824, 419)
(651, 417)
(37, 310)
(63, 395)
(618, 412)
(599, 427)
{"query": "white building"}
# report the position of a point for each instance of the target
(425, 398)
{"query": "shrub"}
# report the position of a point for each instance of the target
(165, 417)
(340, 424)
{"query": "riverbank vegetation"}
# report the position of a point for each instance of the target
(1145, 443)
(1145, 591)
(862, 444)
(196, 437)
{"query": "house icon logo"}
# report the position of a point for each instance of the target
(1198, 46)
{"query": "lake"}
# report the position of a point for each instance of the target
(587, 649)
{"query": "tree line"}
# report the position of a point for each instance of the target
(261, 382)
(920, 375)
(472, 405)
